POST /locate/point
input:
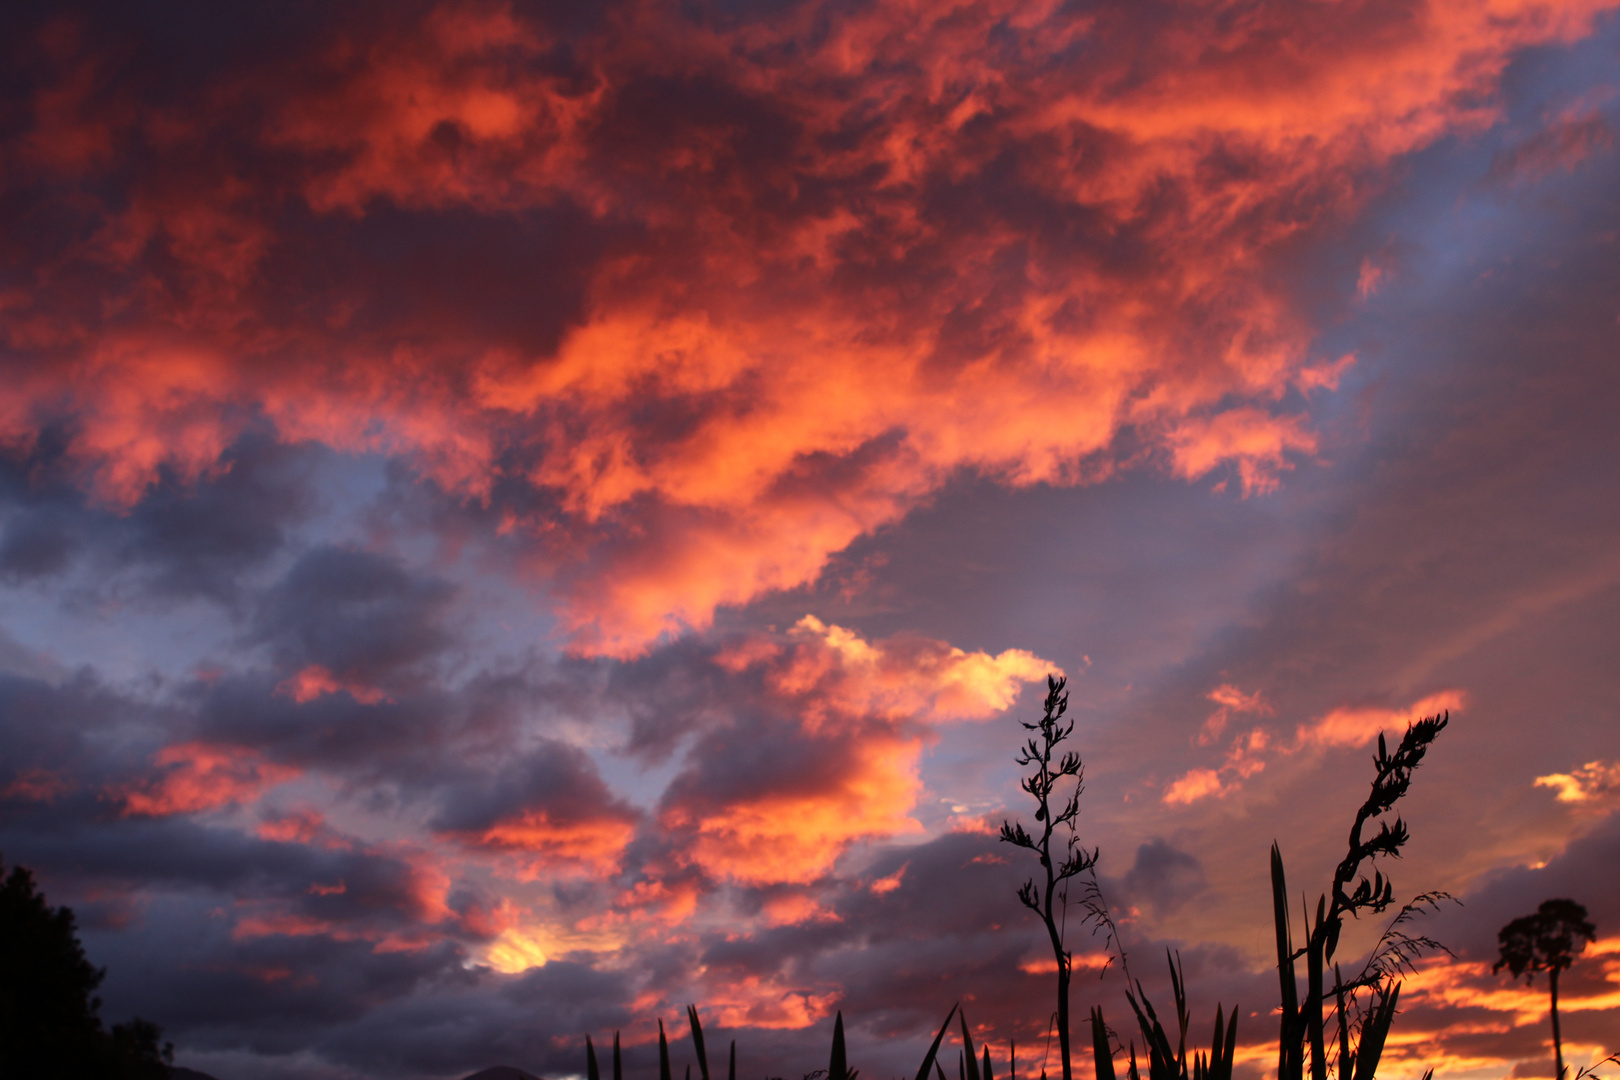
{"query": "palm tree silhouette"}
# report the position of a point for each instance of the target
(1547, 941)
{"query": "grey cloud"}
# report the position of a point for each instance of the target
(1163, 877)
(185, 538)
(358, 614)
(553, 777)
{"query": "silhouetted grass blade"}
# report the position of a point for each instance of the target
(1100, 1049)
(933, 1051)
(1375, 1031)
(697, 1040)
(969, 1057)
(838, 1066)
(591, 1071)
(1289, 1066)
(663, 1054)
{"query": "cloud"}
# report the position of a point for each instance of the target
(1195, 785)
(1249, 752)
(343, 617)
(828, 753)
(551, 811)
(1593, 782)
(1562, 146)
(1358, 726)
(1162, 877)
(196, 777)
(1256, 442)
(186, 538)
(793, 280)
(665, 307)
(1230, 701)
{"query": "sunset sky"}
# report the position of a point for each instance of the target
(517, 517)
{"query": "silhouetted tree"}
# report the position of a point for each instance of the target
(1049, 898)
(50, 1025)
(1547, 941)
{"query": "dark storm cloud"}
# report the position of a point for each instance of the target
(537, 1019)
(187, 538)
(358, 615)
(176, 853)
(198, 537)
(1162, 877)
(332, 729)
(275, 994)
(554, 777)
(66, 735)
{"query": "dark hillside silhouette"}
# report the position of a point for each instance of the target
(50, 1027)
(502, 1072)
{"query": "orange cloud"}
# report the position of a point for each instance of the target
(1252, 439)
(797, 836)
(1230, 700)
(790, 909)
(854, 715)
(1593, 782)
(804, 292)
(889, 883)
(1359, 726)
(1197, 784)
(545, 841)
(832, 669)
(196, 777)
(755, 1001)
(1244, 759)
(1249, 752)
(1466, 1000)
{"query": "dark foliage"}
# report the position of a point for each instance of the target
(1167, 1060)
(1301, 1039)
(1049, 897)
(50, 1023)
(1547, 941)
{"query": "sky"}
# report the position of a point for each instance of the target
(516, 518)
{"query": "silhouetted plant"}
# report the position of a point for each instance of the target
(1167, 1062)
(49, 1015)
(1050, 898)
(1591, 1071)
(1549, 941)
(837, 1067)
(1396, 950)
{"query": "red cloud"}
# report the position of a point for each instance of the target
(798, 269)
(195, 777)
(1249, 752)
(841, 751)
(315, 681)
